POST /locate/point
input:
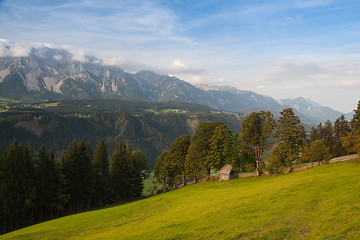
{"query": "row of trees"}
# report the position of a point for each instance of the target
(263, 142)
(328, 140)
(36, 186)
(212, 145)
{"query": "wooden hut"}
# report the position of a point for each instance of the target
(226, 173)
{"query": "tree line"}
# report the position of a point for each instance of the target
(263, 144)
(36, 186)
(145, 130)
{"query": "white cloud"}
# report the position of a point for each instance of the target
(114, 61)
(13, 50)
(287, 75)
(286, 71)
(177, 64)
(79, 55)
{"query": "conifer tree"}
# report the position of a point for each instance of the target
(134, 178)
(352, 141)
(48, 184)
(329, 141)
(341, 129)
(77, 169)
(119, 168)
(101, 173)
(355, 121)
(18, 186)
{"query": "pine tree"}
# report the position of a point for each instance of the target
(135, 180)
(352, 141)
(355, 121)
(18, 186)
(126, 181)
(77, 169)
(341, 129)
(48, 185)
(329, 141)
(101, 173)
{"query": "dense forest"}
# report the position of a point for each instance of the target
(36, 186)
(151, 127)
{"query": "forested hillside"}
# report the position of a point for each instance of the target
(151, 127)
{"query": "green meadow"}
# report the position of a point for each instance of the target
(318, 203)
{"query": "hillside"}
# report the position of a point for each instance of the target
(149, 126)
(319, 203)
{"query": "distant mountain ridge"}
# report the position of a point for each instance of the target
(52, 74)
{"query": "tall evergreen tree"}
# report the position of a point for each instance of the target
(48, 184)
(341, 129)
(352, 141)
(328, 137)
(78, 175)
(134, 176)
(118, 170)
(126, 180)
(291, 134)
(355, 121)
(257, 128)
(101, 173)
(18, 186)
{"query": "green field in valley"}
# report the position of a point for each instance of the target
(318, 203)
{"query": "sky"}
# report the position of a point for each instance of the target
(282, 48)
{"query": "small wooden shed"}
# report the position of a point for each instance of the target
(226, 173)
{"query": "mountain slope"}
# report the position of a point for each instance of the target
(310, 109)
(53, 74)
(319, 203)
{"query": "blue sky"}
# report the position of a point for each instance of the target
(282, 48)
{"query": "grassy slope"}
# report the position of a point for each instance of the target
(319, 203)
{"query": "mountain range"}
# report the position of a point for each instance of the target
(52, 74)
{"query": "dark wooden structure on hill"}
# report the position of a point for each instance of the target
(226, 173)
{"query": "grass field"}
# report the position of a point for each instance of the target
(318, 203)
